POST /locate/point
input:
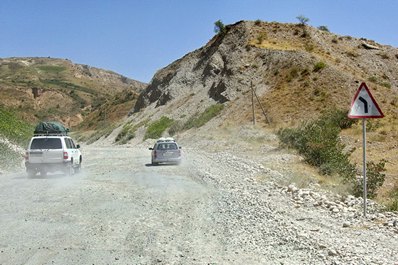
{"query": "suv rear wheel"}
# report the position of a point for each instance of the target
(69, 170)
(78, 168)
(31, 172)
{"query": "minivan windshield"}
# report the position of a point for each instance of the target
(46, 143)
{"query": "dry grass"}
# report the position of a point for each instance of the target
(274, 45)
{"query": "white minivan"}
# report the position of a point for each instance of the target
(165, 150)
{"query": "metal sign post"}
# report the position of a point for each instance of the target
(365, 192)
(364, 106)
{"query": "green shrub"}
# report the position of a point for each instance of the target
(14, 129)
(104, 132)
(197, 120)
(52, 68)
(374, 179)
(303, 20)
(128, 131)
(293, 73)
(309, 47)
(219, 27)
(201, 119)
(261, 37)
(319, 66)
(67, 85)
(9, 159)
(376, 80)
(126, 134)
(386, 84)
(372, 125)
(393, 204)
(318, 142)
(373, 79)
(340, 118)
(17, 132)
(156, 129)
(176, 127)
(323, 28)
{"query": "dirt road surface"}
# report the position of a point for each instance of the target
(119, 210)
(209, 210)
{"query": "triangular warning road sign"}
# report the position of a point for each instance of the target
(364, 105)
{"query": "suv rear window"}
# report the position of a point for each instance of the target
(46, 143)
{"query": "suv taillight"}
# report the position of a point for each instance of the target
(66, 156)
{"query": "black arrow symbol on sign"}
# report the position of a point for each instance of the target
(365, 103)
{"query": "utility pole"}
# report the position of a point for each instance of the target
(254, 117)
(261, 106)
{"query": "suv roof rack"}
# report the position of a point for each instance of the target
(50, 134)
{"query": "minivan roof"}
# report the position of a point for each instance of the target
(166, 139)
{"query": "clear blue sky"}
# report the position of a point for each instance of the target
(138, 37)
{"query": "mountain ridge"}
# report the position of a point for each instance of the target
(41, 88)
(277, 56)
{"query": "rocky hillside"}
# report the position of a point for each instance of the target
(46, 88)
(297, 73)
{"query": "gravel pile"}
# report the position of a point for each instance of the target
(288, 225)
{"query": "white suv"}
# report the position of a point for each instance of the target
(51, 153)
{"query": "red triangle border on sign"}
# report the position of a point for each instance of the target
(374, 102)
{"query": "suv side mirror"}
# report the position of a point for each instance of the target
(150, 148)
(78, 146)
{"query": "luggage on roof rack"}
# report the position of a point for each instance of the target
(165, 139)
(50, 128)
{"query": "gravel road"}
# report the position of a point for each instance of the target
(211, 209)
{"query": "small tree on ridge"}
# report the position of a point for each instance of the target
(303, 20)
(219, 27)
